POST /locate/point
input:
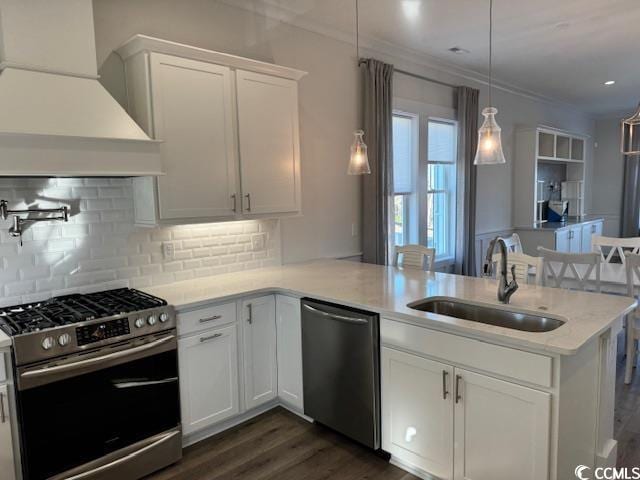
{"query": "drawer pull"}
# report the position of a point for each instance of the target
(210, 337)
(458, 396)
(210, 319)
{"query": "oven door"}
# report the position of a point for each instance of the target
(101, 413)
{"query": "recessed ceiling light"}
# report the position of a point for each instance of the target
(411, 8)
(459, 50)
(609, 82)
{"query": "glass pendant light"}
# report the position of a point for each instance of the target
(489, 151)
(631, 134)
(359, 161)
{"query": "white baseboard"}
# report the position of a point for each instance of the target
(609, 456)
(237, 420)
(412, 469)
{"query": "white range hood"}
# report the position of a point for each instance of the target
(56, 119)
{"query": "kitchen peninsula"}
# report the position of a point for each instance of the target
(555, 389)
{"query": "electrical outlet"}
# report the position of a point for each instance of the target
(258, 241)
(168, 250)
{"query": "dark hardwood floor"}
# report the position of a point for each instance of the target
(279, 445)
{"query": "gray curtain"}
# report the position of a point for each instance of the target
(630, 224)
(467, 179)
(377, 187)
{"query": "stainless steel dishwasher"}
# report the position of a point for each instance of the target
(341, 369)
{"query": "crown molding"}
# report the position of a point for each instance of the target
(272, 10)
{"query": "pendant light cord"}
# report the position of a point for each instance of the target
(490, 51)
(357, 33)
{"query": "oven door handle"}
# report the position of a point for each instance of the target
(97, 360)
(119, 461)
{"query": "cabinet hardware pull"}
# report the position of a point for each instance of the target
(3, 416)
(210, 319)
(210, 337)
(235, 206)
(250, 319)
(444, 384)
(458, 396)
(248, 197)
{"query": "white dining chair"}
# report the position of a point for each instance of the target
(524, 267)
(633, 319)
(513, 243)
(609, 247)
(556, 265)
(415, 256)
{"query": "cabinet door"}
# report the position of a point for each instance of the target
(501, 429)
(562, 240)
(7, 462)
(260, 367)
(269, 144)
(289, 351)
(193, 116)
(575, 239)
(417, 411)
(209, 389)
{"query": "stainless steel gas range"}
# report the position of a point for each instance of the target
(96, 385)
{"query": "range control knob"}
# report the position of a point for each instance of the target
(139, 323)
(64, 339)
(164, 317)
(152, 320)
(47, 343)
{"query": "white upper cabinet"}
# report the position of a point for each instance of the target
(229, 132)
(193, 116)
(269, 148)
(501, 429)
(260, 363)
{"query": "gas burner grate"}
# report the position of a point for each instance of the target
(75, 308)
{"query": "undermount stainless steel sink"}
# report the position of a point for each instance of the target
(527, 322)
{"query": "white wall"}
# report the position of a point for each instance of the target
(608, 175)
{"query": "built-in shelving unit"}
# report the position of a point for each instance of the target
(547, 156)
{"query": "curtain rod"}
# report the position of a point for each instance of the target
(420, 77)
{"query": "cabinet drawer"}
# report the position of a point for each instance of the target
(205, 318)
(509, 362)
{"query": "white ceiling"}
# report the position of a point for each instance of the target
(561, 49)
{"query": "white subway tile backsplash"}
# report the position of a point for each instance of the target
(100, 247)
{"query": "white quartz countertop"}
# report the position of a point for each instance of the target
(387, 290)
(5, 340)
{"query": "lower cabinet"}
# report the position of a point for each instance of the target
(289, 351)
(457, 424)
(208, 377)
(502, 429)
(417, 411)
(7, 465)
(260, 359)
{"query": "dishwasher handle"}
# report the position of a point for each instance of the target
(335, 316)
